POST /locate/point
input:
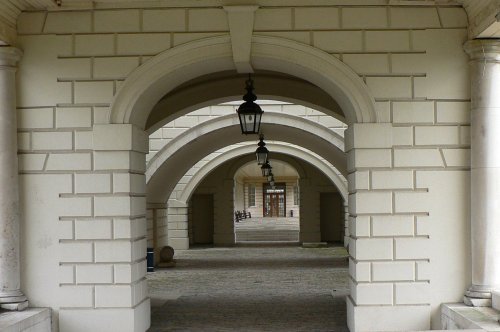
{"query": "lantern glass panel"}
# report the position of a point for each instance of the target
(261, 158)
(266, 169)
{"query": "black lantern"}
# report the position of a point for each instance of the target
(249, 112)
(266, 169)
(261, 151)
(271, 181)
(270, 177)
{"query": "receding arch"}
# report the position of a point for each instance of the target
(181, 153)
(168, 70)
(278, 147)
(324, 135)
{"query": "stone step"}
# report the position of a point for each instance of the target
(274, 235)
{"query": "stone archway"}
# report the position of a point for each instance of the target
(143, 88)
(306, 156)
(164, 72)
(189, 147)
(178, 201)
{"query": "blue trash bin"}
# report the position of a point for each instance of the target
(150, 259)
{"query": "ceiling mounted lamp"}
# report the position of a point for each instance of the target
(266, 169)
(262, 153)
(270, 177)
(249, 112)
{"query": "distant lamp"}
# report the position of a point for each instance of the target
(270, 177)
(261, 151)
(249, 112)
(266, 169)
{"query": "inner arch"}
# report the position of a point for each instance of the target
(227, 86)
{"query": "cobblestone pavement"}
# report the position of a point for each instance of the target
(272, 288)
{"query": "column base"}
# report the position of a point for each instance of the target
(474, 298)
(18, 306)
(15, 301)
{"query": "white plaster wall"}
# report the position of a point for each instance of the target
(84, 227)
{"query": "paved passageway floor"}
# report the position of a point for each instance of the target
(273, 288)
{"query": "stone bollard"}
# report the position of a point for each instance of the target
(167, 257)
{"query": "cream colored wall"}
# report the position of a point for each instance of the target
(257, 209)
(82, 191)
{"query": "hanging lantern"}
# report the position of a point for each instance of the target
(266, 169)
(270, 176)
(261, 152)
(249, 112)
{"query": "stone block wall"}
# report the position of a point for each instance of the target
(404, 211)
(82, 185)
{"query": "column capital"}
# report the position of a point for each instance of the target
(9, 56)
(483, 49)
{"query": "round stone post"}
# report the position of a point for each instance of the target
(10, 294)
(485, 170)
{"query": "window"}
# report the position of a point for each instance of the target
(251, 195)
(295, 195)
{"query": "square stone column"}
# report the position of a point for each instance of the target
(108, 249)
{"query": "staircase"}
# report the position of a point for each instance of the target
(267, 230)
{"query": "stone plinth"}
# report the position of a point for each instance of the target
(458, 316)
(32, 320)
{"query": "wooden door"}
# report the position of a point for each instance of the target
(274, 201)
(203, 218)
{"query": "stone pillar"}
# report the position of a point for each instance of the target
(10, 275)
(485, 170)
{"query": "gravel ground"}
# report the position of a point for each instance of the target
(255, 288)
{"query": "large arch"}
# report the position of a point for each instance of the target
(142, 90)
(226, 86)
(180, 154)
(278, 147)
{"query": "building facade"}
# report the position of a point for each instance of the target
(403, 129)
